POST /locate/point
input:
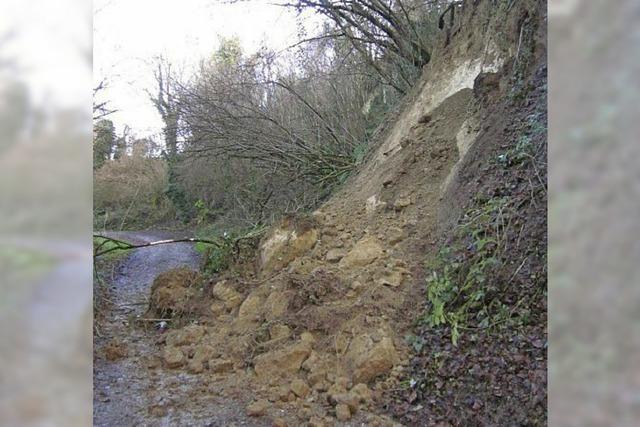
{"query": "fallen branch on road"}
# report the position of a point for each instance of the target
(122, 245)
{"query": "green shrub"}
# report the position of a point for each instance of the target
(459, 291)
(230, 247)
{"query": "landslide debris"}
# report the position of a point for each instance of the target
(316, 327)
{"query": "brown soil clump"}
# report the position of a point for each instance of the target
(115, 350)
(173, 293)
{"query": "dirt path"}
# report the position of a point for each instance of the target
(133, 390)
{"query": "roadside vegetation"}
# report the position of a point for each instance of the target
(104, 271)
(249, 137)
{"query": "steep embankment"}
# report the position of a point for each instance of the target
(318, 328)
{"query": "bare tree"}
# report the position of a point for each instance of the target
(307, 124)
(393, 37)
(101, 109)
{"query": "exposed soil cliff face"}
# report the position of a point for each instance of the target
(318, 327)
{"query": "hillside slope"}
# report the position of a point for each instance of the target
(317, 327)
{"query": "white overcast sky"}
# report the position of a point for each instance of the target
(128, 34)
(50, 47)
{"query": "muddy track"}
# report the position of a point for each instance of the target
(131, 390)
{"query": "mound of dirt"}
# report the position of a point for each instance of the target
(174, 293)
(115, 350)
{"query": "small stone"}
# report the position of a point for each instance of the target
(335, 255)
(318, 215)
(368, 359)
(173, 357)
(258, 408)
(279, 422)
(251, 307)
(217, 308)
(317, 376)
(282, 362)
(363, 253)
(410, 223)
(307, 337)
(374, 204)
(349, 399)
(312, 362)
(282, 393)
(153, 362)
(342, 412)
(189, 335)
(273, 395)
(316, 422)
(355, 285)
(158, 411)
(362, 391)
(279, 332)
(300, 388)
(401, 203)
(321, 386)
(343, 382)
(424, 119)
(229, 296)
(220, 366)
(398, 263)
(329, 231)
(345, 237)
(203, 353)
(305, 413)
(396, 235)
(393, 279)
(276, 304)
(334, 392)
(195, 366)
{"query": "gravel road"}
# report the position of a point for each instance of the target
(126, 391)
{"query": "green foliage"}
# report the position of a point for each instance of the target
(458, 291)
(104, 244)
(217, 258)
(202, 211)
(416, 342)
(104, 140)
(176, 193)
(359, 153)
(517, 154)
(230, 245)
(523, 150)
